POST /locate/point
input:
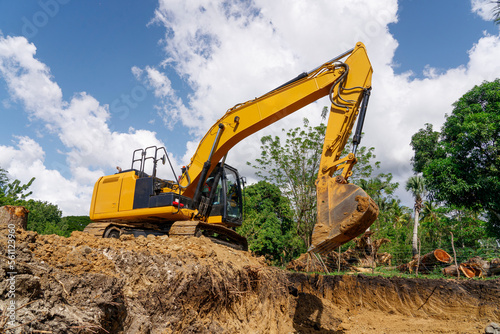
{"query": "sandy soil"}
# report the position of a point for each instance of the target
(83, 284)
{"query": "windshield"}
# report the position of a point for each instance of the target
(233, 208)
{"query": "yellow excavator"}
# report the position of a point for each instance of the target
(206, 198)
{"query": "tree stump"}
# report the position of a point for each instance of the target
(16, 215)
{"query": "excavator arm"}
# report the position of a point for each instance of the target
(346, 83)
(344, 210)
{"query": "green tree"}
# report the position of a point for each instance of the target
(416, 185)
(425, 147)
(75, 223)
(12, 192)
(293, 167)
(44, 217)
(380, 188)
(268, 224)
(463, 168)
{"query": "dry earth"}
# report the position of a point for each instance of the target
(83, 284)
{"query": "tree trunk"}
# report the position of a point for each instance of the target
(13, 215)
(415, 234)
(436, 257)
(481, 267)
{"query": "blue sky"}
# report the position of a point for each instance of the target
(436, 33)
(84, 83)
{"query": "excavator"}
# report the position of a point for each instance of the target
(206, 198)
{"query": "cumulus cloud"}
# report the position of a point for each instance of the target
(170, 107)
(81, 125)
(229, 52)
(483, 8)
(400, 106)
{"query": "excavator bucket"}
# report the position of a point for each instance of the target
(344, 212)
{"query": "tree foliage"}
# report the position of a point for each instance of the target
(462, 168)
(425, 147)
(12, 192)
(43, 217)
(293, 167)
(496, 12)
(268, 224)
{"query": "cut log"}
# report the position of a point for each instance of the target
(479, 265)
(470, 271)
(450, 271)
(494, 267)
(475, 267)
(427, 262)
(436, 257)
(482, 267)
(13, 215)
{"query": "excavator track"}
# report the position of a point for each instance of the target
(96, 229)
(217, 233)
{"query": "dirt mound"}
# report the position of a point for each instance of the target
(142, 285)
(84, 284)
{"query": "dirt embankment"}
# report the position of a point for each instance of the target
(373, 304)
(84, 284)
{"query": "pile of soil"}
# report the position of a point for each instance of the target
(84, 284)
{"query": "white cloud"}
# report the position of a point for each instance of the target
(400, 106)
(80, 124)
(230, 52)
(172, 108)
(483, 8)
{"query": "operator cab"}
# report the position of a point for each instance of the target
(221, 200)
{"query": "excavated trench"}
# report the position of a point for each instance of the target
(84, 284)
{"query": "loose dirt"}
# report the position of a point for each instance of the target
(84, 284)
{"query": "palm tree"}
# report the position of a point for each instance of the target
(496, 12)
(399, 212)
(416, 185)
(432, 215)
